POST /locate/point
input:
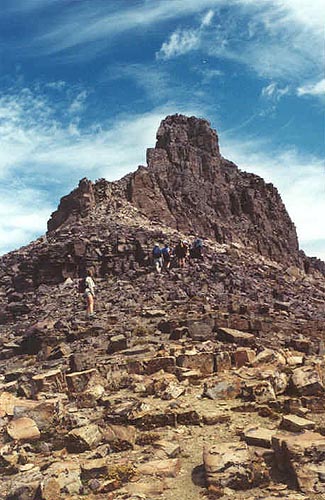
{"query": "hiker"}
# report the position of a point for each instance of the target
(196, 251)
(166, 255)
(87, 285)
(157, 258)
(181, 251)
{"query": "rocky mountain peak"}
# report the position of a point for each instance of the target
(182, 131)
(189, 187)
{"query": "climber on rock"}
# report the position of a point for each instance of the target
(166, 255)
(181, 252)
(196, 251)
(157, 258)
(87, 288)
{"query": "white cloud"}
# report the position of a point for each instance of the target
(299, 178)
(273, 92)
(179, 43)
(207, 18)
(57, 85)
(314, 89)
(23, 215)
(78, 103)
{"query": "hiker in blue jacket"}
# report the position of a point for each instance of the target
(157, 258)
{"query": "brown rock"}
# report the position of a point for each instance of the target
(92, 468)
(167, 449)
(223, 361)
(78, 381)
(307, 381)
(214, 417)
(197, 361)
(8, 402)
(145, 488)
(120, 437)
(117, 343)
(243, 355)
(67, 475)
(84, 438)
(166, 363)
(231, 465)
(236, 336)
(301, 456)
(52, 381)
(161, 468)
(261, 392)
(269, 356)
(258, 436)
(46, 414)
(23, 429)
(294, 423)
(50, 489)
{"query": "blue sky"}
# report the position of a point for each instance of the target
(85, 83)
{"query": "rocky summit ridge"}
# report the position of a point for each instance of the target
(206, 381)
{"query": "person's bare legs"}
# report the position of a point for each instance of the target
(90, 304)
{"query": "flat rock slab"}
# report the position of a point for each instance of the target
(78, 381)
(8, 402)
(259, 436)
(235, 336)
(161, 468)
(144, 488)
(153, 313)
(167, 448)
(294, 423)
(23, 429)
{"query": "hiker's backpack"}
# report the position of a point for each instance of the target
(156, 252)
(82, 285)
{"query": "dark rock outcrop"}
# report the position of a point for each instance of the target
(190, 187)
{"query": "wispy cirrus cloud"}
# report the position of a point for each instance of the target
(108, 20)
(277, 39)
(274, 92)
(273, 38)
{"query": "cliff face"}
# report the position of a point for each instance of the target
(187, 185)
(191, 187)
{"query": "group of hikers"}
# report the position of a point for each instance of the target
(165, 256)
